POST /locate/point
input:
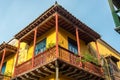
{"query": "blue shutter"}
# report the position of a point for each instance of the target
(72, 46)
(40, 47)
(3, 67)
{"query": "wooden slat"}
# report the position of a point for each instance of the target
(32, 73)
(81, 76)
(70, 73)
(31, 77)
(23, 78)
(67, 70)
(48, 70)
(77, 74)
(63, 65)
(51, 66)
(42, 72)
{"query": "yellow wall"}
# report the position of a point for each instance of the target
(22, 52)
(63, 40)
(105, 50)
(10, 61)
(50, 38)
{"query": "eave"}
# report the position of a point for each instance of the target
(65, 19)
(9, 49)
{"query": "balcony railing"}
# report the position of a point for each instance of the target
(50, 55)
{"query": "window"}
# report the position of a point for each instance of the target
(3, 67)
(40, 47)
(72, 46)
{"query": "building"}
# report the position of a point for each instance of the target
(53, 45)
(56, 46)
(7, 58)
(110, 59)
(115, 10)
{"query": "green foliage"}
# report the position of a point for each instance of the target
(87, 57)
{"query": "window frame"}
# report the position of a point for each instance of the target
(73, 45)
(41, 48)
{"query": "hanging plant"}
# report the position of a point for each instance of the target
(87, 57)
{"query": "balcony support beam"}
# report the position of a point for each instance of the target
(3, 56)
(97, 49)
(17, 55)
(78, 44)
(56, 71)
(34, 45)
(56, 27)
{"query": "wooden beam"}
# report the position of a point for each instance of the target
(81, 76)
(70, 73)
(51, 66)
(78, 44)
(2, 61)
(56, 70)
(31, 77)
(36, 26)
(67, 70)
(97, 49)
(23, 78)
(48, 70)
(32, 73)
(56, 28)
(75, 25)
(77, 74)
(34, 45)
(17, 55)
(10, 50)
(42, 72)
(62, 67)
(88, 77)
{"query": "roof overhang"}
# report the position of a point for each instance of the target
(66, 20)
(9, 49)
(113, 58)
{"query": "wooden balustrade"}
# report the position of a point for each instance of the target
(45, 57)
(50, 54)
(23, 67)
(40, 59)
(68, 56)
(92, 68)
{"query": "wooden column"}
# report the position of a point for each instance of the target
(3, 56)
(56, 71)
(34, 44)
(98, 54)
(56, 28)
(17, 55)
(78, 44)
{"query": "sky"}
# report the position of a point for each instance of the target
(17, 14)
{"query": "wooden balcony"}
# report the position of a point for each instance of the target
(44, 65)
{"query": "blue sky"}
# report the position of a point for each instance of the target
(17, 14)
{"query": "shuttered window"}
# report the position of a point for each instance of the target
(72, 46)
(40, 47)
(3, 67)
